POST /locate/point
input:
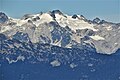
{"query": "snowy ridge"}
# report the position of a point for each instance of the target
(58, 46)
(57, 28)
(97, 37)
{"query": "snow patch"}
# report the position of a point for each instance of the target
(97, 37)
(46, 18)
(5, 28)
(19, 22)
(116, 43)
(22, 58)
(57, 43)
(55, 63)
(73, 23)
(90, 64)
(73, 65)
(109, 28)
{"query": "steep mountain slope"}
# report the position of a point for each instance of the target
(56, 46)
(56, 28)
(23, 60)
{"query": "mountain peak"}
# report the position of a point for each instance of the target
(57, 12)
(3, 17)
(63, 30)
(74, 16)
(96, 20)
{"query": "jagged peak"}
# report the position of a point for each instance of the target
(2, 13)
(96, 20)
(99, 21)
(26, 16)
(74, 16)
(3, 17)
(82, 16)
(57, 12)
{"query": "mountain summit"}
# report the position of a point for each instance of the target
(3, 17)
(59, 29)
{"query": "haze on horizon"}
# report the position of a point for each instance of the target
(104, 9)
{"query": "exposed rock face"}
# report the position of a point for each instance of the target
(96, 20)
(59, 29)
(3, 17)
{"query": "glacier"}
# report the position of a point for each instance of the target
(59, 46)
(60, 29)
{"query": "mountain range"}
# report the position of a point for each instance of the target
(59, 29)
(56, 46)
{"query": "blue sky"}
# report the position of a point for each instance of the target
(104, 9)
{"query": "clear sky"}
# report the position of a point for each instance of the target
(104, 9)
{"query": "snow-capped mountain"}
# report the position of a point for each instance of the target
(59, 29)
(57, 46)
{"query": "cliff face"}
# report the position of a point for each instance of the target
(59, 29)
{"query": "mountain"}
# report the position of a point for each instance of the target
(59, 29)
(20, 59)
(3, 17)
(56, 46)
